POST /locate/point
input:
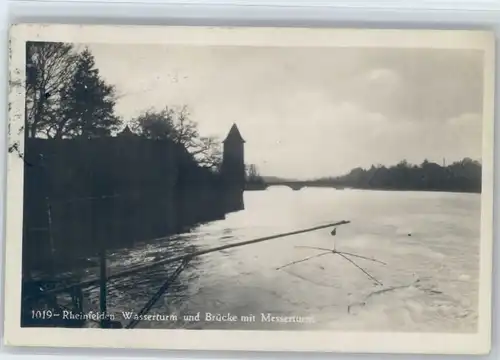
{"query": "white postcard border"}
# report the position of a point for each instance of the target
(318, 341)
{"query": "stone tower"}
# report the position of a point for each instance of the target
(233, 170)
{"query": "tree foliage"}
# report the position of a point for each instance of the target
(49, 66)
(176, 125)
(87, 103)
(65, 96)
(252, 174)
(460, 176)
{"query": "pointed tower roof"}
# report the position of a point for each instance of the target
(126, 131)
(234, 135)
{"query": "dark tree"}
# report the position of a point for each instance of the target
(87, 103)
(49, 67)
(461, 176)
(252, 174)
(175, 124)
(155, 125)
(253, 179)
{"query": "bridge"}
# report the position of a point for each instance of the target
(294, 185)
(297, 185)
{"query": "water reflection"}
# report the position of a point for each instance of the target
(430, 282)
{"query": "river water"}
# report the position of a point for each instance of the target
(427, 282)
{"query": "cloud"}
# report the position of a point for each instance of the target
(315, 111)
(421, 84)
(385, 78)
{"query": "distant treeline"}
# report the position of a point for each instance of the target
(460, 176)
(253, 180)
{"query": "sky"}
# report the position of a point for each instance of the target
(311, 112)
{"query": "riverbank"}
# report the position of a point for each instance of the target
(341, 187)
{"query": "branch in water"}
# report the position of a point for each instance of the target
(315, 248)
(342, 252)
(360, 268)
(362, 257)
(308, 258)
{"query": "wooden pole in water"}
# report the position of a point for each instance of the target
(53, 266)
(192, 255)
(102, 284)
(219, 248)
(99, 233)
(105, 234)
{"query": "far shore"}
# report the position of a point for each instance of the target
(369, 189)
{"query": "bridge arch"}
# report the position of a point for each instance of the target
(294, 187)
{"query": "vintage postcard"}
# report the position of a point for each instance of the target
(274, 189)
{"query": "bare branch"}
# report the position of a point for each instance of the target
(360, 268)
(49, 66)
(362, 257)
(175, 124)
(343, 252)
(302, 260)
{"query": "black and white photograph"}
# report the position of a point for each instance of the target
(259, 189)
